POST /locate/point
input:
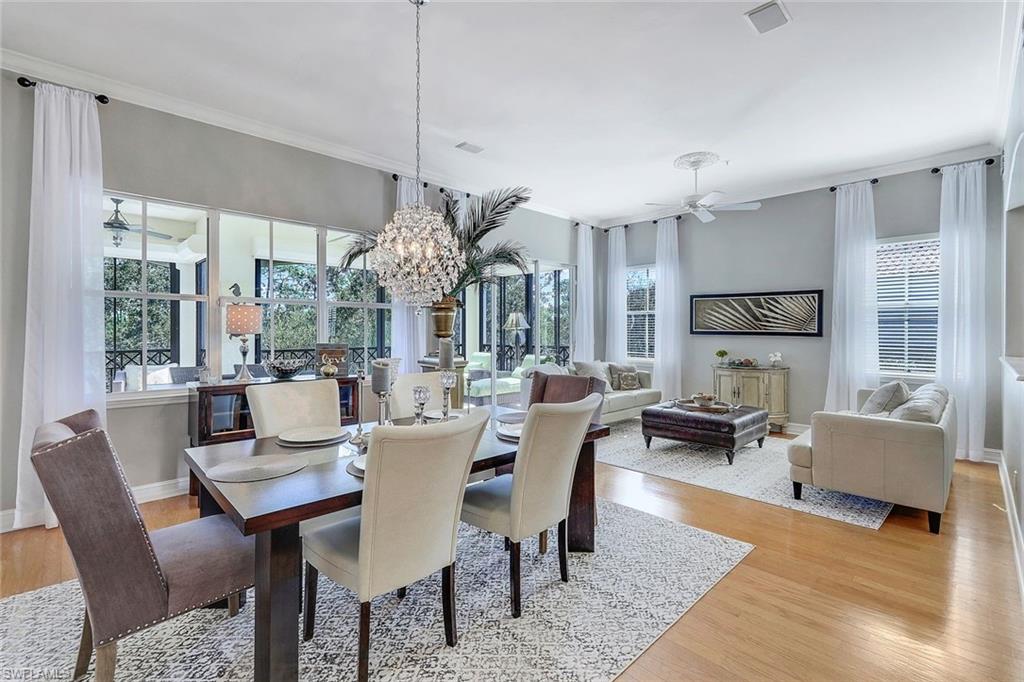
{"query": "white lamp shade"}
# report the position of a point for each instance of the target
(517, 322)
(244, 319)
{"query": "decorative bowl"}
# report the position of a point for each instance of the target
(283, 369)
(704, 399)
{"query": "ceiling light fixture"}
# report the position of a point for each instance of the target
(469, 147)
(417, 256)
(768, 17)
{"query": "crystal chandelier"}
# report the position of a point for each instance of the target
(417, 257)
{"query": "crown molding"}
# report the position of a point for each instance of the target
(62, 74)
(812, 183)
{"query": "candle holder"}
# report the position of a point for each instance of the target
(448, 381)
(359, 439)
(420, 396)
(393, 365)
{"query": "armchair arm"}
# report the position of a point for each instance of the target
(645, 378)
(862, 396)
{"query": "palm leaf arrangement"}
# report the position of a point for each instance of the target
(482, 218)
(794, 314)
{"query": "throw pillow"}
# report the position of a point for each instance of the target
(926, 404)
(615, 370)
(886, 398)
(629, 381)
(597, 370)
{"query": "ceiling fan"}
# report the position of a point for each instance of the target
(704, 206)
(119, 226)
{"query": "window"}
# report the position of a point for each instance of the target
(640, 312)
(908, 306)
(155, 292)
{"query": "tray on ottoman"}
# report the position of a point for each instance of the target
(730, 430)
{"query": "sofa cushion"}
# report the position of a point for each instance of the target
(596, 370)
(619, 400)
(799, 450)
(629, 381)
(886, 398)
(926, 404)
(482, 387)
(615, 370)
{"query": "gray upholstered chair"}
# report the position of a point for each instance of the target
(412, 494)
(131, 579)
(536, 495)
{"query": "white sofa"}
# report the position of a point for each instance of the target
(904, 462)
(620, 405)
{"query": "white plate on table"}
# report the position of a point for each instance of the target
(258, 468)
(357, 467)
(437, 415)
(510, 431)
(312, 434)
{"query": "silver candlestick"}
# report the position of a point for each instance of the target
(359, 439)
(420, 396)
(448, 380)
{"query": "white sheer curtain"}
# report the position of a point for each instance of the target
(408, 330)
(64, 338)
(668, 312)
(583, 323)
(615, 329)
(962, 350)
(853, 357)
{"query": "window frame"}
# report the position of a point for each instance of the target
(649, 311)
(918, 377)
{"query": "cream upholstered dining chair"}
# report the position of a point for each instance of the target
(131, 579)
(285, 405)
(412, 494)
(402, 404)
(536, 495)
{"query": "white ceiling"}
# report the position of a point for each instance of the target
(587, 103)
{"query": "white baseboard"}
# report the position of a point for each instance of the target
(993, 456)
(143, 493)
(1016, 537)
(796, 429)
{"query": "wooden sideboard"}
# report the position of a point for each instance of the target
(219, 413)
(764, 387)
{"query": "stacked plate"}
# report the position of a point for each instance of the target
(312, 436)
(509, 431)
(357, 467)
(438, 415)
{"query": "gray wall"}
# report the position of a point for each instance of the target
(788, 244)
(151, 153)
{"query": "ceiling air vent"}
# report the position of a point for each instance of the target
(768, 17)
(469, 147)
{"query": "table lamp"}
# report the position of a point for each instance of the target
(243, 319)
(518, 323)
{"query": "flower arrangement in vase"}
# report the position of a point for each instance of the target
(721, 354)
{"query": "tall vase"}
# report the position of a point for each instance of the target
(442, 317)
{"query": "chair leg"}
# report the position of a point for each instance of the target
(106, 661)
(934, 520)
(508, 544)
(363, 673)
(84, 649)
(542, 542)
(513, 565)
(400, 592)
(798, 489)
(309, 613)
(563, 550)
(233, 605)
(451, 636)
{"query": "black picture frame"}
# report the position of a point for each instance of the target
(818, 295)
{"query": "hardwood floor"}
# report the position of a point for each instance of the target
(817, 599)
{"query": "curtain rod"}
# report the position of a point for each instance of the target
(395, 176)
(612, 227)
(26, 83)
(988, 162)
(874, 181)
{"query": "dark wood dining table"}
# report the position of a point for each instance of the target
(272, 509)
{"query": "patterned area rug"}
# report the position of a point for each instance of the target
(761, 474)
(645, 574)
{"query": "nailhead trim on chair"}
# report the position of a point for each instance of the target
(173, 615)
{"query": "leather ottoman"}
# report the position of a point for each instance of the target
(731, 430)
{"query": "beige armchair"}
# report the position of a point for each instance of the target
(536, 495)
(131, 579)
(904, 462)
(412, 496)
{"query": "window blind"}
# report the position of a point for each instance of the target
(908, 306)
(640, 291)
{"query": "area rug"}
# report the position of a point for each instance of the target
(646, 572)
(760, 474)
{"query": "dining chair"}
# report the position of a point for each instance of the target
(412, 494)
(551, 387)
(131, 579)
(402, 404)
(285, 405)
(536, 495)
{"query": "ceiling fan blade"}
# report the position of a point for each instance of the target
(703, 215)
(748, 206)
(711, 198)
(152, 233)
(653, 204)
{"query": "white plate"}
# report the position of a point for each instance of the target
(437, 415)
(510, 430)
(315, 444)
(360, 462)
(258, 468)
(312, 434)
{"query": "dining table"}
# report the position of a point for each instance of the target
(272, 510)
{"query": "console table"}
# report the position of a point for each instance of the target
(763, 387)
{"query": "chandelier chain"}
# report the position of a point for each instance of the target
(418, 98)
